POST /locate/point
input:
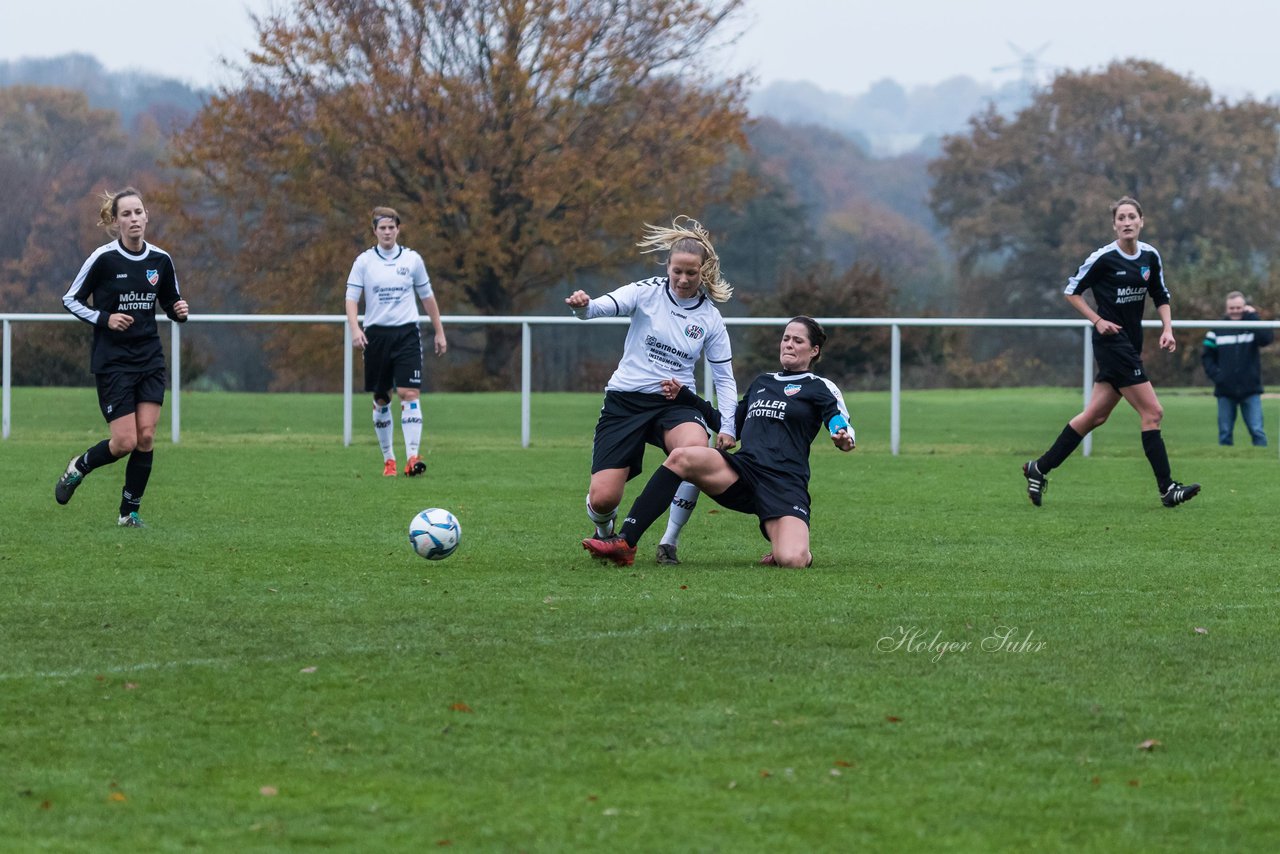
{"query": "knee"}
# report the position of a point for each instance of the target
(121, 445)
(678, 460)
(1152, 418)
(792, 558)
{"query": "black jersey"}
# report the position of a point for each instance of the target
(779, 417)
(1120, 286)
(116, 281)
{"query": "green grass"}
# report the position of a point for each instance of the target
(272, 628)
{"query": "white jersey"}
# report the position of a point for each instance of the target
(388, 283)
(665, 339)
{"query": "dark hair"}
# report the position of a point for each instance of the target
(817, 337)
(384, 213)
(1125, 200)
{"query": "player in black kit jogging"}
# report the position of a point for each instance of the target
(1121, 275)
(117, 291)
(777, 420)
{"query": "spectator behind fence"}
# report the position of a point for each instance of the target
(1231, 360)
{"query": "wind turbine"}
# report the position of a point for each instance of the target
(1028, 65)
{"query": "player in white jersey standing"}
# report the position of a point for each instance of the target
(117, 291)
(673, 322)
(389, 277)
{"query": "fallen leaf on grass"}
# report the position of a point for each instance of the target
(461, 707)
(1097, 781)
(1201, 630)
(765, 773)
(893, 719)
(311, 669)
(118, 797)
(684, 587)
(130, 686)
(1150, 744)
(46, 805)
(835, 772)
(268, 791)
(1134, 783)
(844, 764)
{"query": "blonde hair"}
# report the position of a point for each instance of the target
(687, 235)
(111, 206)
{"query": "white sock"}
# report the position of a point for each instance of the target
(602, 521)
(382, 428)
(682, 505)
(411, 426)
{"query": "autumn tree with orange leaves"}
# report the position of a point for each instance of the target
(523, 142)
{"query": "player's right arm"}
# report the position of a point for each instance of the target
(618, 303)
(1080, 304)
(355, 288)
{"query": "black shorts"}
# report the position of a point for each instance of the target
(1118, 363)
(392, 358)
(767, 494)
(120, 392)
(629, 419)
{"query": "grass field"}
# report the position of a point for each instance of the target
(269, 667)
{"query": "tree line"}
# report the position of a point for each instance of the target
(525, 143)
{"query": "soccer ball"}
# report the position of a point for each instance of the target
(435, 534)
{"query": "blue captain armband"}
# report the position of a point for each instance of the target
(837, 423)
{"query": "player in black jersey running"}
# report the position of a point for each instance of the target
(777, 420)
(1121, 275)
(117, 291)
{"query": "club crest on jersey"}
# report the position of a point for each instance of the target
(694, 331)
(153, 276)
(1146, 273)
(790, 388)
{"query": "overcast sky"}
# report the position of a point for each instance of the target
(840, 45)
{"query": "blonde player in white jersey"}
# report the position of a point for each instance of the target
(673, 322)
(388, 277)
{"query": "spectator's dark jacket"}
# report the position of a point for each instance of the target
(1230, 358)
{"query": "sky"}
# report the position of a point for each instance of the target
(842, 46)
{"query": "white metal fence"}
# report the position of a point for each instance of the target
(895, 325)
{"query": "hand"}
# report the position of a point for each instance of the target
(1106, 327)
(1167, 341)
(843, 440)
(119, 322)
(357, 338)
(671, 388)
(725, 442)
(577, 299)
(442, 346)
(180, 309)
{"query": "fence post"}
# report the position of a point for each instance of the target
(175, 380)
(347, 347)
(1088, 385)
(526, 381)
(4, 380)
(895, 388)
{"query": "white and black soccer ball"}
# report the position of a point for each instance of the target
(435, 534)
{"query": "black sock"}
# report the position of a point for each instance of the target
(96, 457)
(136, 475)
(1153, 446)
(1063, 446)
(652, 503)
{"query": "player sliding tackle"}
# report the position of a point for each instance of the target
(777, 421)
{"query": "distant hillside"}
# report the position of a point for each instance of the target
(131, 94)
(887, 120)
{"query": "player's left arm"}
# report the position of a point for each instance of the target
(836, 416)
(170, 297)
(1167, 341)
(433, 312)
